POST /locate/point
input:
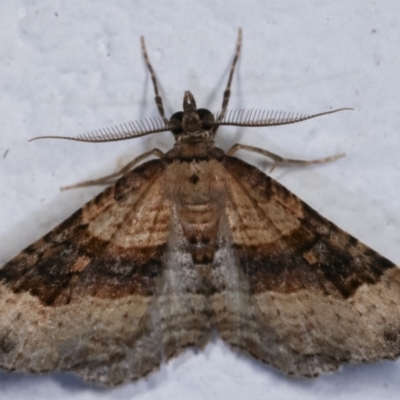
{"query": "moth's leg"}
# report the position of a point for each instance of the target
(109, 179)
(227, 92)
(278, 159)
(157, 97)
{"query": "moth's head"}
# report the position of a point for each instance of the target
(192, 124)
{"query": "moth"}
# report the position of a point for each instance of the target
(193, 242)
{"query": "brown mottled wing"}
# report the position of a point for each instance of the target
(312, 296)
(104, 294)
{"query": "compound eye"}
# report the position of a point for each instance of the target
(177, 120)
(206, 118)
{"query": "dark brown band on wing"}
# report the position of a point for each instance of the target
(69, 262)
(298, 262)
(65, 272)
(317, 255)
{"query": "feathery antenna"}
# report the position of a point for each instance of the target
(124, 131)
(263, 118)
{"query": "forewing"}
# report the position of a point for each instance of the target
(316, 297)
(98, 295)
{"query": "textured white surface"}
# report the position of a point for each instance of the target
(69, 67)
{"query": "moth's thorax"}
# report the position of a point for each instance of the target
(193, 183)
(196, 190)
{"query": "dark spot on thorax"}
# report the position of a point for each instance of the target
(194, 179)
